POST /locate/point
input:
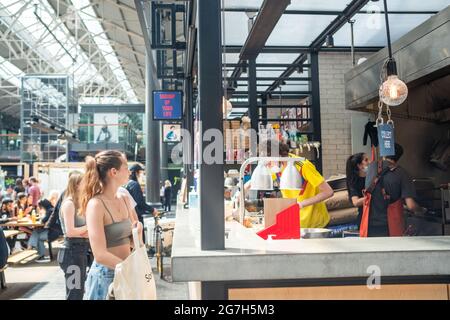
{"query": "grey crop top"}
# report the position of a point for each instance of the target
(79, 220)
(117, 233)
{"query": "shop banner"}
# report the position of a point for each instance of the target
(386, 140)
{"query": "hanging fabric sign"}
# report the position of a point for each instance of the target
(386, 139)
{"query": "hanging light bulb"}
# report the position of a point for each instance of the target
(393, 91)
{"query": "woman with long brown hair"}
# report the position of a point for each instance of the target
(110, 218)
(72, 257)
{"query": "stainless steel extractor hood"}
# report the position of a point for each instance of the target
(423, 61)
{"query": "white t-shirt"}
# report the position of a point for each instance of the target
(125, 192)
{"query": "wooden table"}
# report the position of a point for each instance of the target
(16, 224)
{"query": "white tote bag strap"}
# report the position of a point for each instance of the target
(137, 243)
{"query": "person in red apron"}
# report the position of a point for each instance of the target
(388, 187)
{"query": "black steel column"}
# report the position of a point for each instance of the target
(188, 159)
(315, 89)
(152, 161)
(264, 109)
(163, 157)
(252, 95)
(212, 223)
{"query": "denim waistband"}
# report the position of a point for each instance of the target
(103, 269)
(68, 242)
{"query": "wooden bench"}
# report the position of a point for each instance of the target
(26, 255)
(2, 277)
(11, 233)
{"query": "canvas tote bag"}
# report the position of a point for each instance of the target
(133, 277)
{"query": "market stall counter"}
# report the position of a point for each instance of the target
(334, 268)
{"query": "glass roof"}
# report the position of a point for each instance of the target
(298, 30)
(235, 25)
(303, 29)
(66, 55)
(371, 31)
(409, 5)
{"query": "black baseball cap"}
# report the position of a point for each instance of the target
(136, 167)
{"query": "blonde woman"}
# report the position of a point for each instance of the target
(110, 216)
(167, 195)
(72, 257)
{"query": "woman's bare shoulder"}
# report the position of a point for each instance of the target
(95, 205)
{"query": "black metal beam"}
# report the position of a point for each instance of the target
(273, 95)
(252, 95)
(285, 93)
(267, 65)
(272, 78)
(264, 109)
(302, 49)
(212, 223)
(315, 86)
(330, 12)
(267, 18)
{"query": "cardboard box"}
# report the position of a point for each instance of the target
(272, 206)
(235, 124)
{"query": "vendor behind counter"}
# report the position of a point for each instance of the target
(397, 185)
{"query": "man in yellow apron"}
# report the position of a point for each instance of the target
(315, 190)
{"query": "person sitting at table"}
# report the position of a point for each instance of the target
(22, 204)
(6, 210)
(39, 236)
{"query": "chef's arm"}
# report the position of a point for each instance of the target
(357, 201)
(325, 193)
(412, 205)
(247, 187)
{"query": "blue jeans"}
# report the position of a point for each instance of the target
(37, 239)
(98, 280)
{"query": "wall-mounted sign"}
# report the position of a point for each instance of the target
(171, 132)
(167, 105)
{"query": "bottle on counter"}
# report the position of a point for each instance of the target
(20, 214)
(33, 216)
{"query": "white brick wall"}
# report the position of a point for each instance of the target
(335, 119)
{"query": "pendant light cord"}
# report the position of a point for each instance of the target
(388, 33)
